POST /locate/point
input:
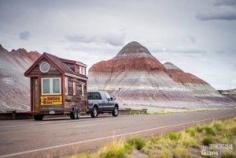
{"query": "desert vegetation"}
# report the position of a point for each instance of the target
(190, 142)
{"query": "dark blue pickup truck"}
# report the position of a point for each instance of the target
(101, 102)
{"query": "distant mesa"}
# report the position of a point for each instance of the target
(132, 56)
(134, 76)
(138, 80)
(171, 66)
(14, 87)
(133, 48)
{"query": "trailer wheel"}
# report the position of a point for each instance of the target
(74, 114)
(38, 117)
(94, 112)
(115, 111)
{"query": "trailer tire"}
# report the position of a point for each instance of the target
(74, 114)
(38, 117)
(94, 112)
(115, 111)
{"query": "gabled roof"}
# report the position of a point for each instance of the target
(60, 63)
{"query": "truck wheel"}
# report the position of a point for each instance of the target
(94, 112)
(38, 117)
(115, 111)
(74, 114)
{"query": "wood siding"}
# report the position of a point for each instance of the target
(36, 71)
(68, 101)
(78, 99)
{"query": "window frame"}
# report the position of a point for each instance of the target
(50, 85)
(82, 70)
(74, 88)
(82, 89)
(66, 86)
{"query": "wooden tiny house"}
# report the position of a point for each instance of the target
(58, 86)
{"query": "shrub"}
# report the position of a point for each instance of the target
(199, 129)
(164, 154)
(207, 141)
(187, 141)
(137, 142)
(174, 136)
(209, 130)
(181, 152)
(115, 150)
(233, 130)
(191, 132)
(217, 126)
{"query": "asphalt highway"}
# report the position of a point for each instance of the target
(55, 137)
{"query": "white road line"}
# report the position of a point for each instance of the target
(60, 122)
(101, 138)
(88, 123)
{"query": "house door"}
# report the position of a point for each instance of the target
(35, 95)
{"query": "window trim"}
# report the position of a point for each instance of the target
(66, 86)
(82, 70)
(82, 89)
(51, 86)
(74, 88)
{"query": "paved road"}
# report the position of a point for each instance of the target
(56, 137)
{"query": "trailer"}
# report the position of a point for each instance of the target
(57, 87)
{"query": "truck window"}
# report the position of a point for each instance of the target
(107, 95)
(94, 96)
(98, 95)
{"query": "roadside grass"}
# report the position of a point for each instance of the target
(184, 144)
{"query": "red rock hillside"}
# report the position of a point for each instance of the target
(138, 80)
(14, 87)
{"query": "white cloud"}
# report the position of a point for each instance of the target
(114, 39)
(96, 30)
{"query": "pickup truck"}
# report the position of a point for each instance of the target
(102, 102)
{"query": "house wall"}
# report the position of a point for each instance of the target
(78, 99)
(52, 71)
(68, 100)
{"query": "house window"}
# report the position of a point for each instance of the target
(82, 86)
(74, 88)
(46, 86)
(51, 86)
(82, 70)
(56, 85)
(66, 86)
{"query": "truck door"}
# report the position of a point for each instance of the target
(109, 103)
(100, 102)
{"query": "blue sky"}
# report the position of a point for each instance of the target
(199, 36)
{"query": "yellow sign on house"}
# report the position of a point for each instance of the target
(51, 100)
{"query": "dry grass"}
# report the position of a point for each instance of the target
(174, 144)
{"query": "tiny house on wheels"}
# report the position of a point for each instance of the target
(58, 86)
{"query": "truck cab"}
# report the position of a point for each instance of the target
(101, 102)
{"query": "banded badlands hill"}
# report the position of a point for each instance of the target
(138, 80)
(14, 87)
(135, 77)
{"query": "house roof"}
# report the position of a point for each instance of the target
(60, 63)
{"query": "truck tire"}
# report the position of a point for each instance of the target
(94, 112)
(74, 114)
(115, 111)
(38, 117)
